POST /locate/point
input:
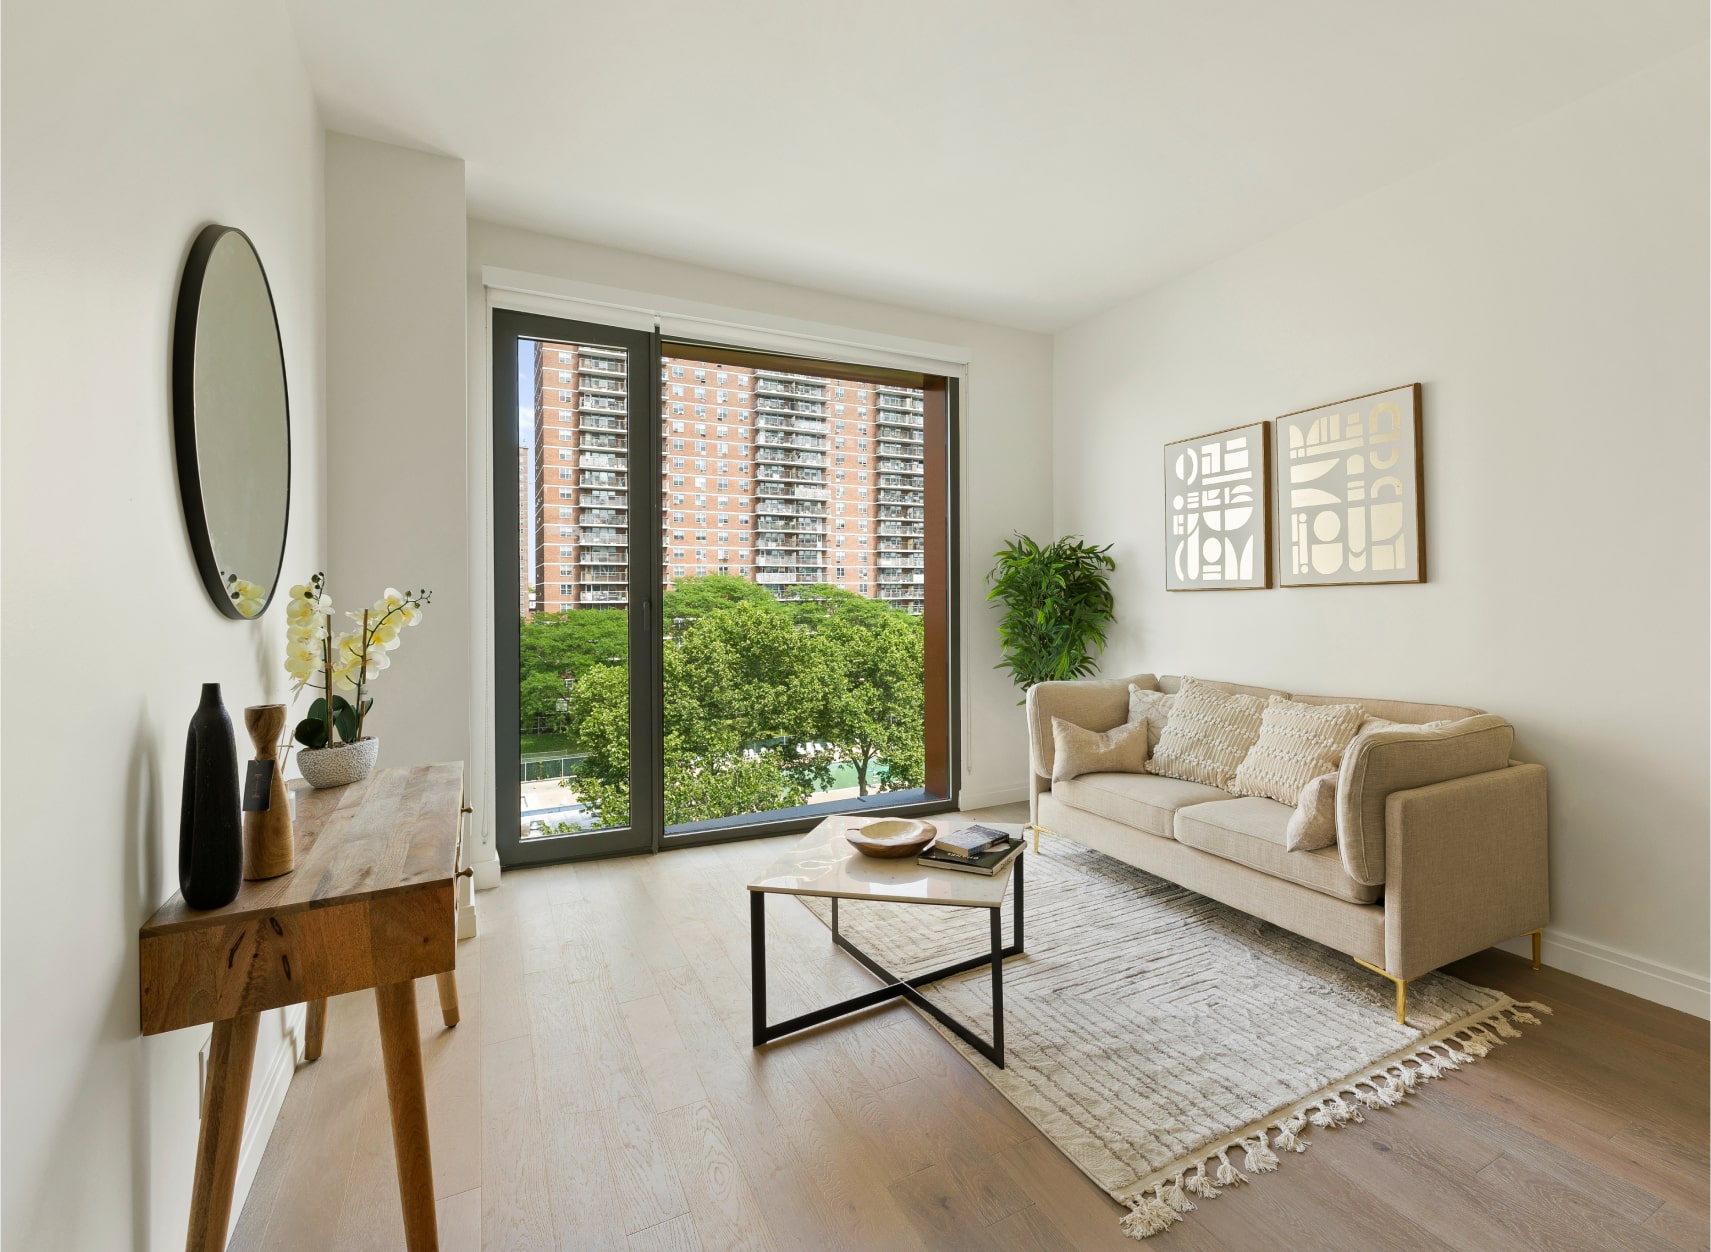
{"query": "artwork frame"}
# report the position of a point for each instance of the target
(1315, 535)
(1186, 463)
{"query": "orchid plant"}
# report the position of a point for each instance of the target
(348, 661)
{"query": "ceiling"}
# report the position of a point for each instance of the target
(1015, 161)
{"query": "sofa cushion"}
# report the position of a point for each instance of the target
(1297, 743)
(1400, 758)
(1097, 704)
(1155, 706)
(1314, 823)
(1250, 831)
(1208, 734)
(1077, 751)
(1139, 800)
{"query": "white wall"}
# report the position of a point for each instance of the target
(395, 410)
(1549, 289)
(1006, 442)
(126, 128)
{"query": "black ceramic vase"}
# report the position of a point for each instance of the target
(210, 826)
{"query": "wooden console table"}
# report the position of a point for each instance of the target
(370, 904)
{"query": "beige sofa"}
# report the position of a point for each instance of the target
(1441, 838)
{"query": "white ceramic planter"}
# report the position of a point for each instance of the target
(340, 764)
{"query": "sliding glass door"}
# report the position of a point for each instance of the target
(728, 611)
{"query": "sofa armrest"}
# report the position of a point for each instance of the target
(1400, 759)
(1095, 703)
(1468, 867)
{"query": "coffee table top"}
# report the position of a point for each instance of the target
(824, 864)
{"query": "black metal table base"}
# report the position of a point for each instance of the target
(895, 987)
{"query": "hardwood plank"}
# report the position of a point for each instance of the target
(515, 1209)
(645, 1177)
(451, 1057)
(722, 1205)
(677, 1235)
(1681, 1228)
(669, 1068)
(460, 1221)
(1577, 1216)
(799, 1213)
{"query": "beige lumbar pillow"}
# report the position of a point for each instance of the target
(1208, 734)
(1155, 706)
(1078, 751)
(1313, 825)
(1297, 743)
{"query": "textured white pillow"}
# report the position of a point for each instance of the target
(1155, 706)
(1208, 734)
(1297, 742)
(1077, 750)
(1314, 822)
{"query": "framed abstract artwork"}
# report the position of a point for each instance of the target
(1217, 510)
(1351, 505)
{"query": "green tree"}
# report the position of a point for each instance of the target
(553, 649)
(876, 700)
(695, 598)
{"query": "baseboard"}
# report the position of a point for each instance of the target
(1650, 980)
(990, 797)
(486, 873)
(267, 1095)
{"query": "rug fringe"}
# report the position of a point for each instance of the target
(1159, 1204)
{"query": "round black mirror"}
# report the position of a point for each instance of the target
(231, 421)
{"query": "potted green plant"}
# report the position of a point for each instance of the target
(333, 749)
(1057, 604)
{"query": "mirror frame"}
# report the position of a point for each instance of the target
(184, 337)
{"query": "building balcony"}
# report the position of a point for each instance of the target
(610, 367)
(601, 404)
(605, 500)
(601, 386)
(909, 401)
(902, 562)
(767, 420)
(911, 451)
(908, 421)
(602, 461)
(597, 423)
(803, 408)
(595, 516)
(603, 443)
(604, 555)
(898, 512)
(905, 498)
(780, 456)
(592, 595)
(774, 383)
(888, 466)
(779, 439)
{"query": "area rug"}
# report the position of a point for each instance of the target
(1172, 1046)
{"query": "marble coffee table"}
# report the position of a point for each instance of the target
(824, 864)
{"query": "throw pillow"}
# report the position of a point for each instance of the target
(1208, 734)
(1297, 742)
(1314, 823)
(1077, 750)
(1155, 707)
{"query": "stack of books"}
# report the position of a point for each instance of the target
(972, 850)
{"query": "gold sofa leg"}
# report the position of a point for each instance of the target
(1037, 832)
(1401, 987)
(1538, 947)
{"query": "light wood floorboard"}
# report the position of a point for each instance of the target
(601, 1093)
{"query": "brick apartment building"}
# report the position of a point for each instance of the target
(785, 479)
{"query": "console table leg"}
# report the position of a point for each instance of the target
(401, 1046)
(230, 1057)
(315, 1033)
(448, 996)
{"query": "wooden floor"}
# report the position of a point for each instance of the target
(601, 1093)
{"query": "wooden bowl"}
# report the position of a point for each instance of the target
(890, 837)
